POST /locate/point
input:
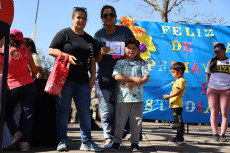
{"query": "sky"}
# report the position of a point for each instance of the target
(55, 15)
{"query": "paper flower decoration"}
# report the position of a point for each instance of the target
(142, 48)
(140, 34)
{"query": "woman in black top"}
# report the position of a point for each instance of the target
(81, 47)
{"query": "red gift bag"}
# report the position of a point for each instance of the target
(57, 76)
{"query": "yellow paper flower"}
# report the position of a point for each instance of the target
(147, 40)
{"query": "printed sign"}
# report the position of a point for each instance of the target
(116, 47)
(188, 43)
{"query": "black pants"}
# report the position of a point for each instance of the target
(177, 115)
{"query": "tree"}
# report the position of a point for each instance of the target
(176, 7)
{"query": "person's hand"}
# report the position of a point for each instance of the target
(166, 97)
(130, 85)
(136, 79)
(72, 59)
(105, 50)
(91, 82)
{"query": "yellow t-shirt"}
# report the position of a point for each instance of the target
(177, 101)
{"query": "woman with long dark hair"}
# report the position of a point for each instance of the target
(30, 46)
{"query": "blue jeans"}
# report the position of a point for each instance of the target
(27, 96)
(80, 92)
(106, 92)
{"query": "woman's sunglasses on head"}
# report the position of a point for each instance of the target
(106, 15)
(80, 9)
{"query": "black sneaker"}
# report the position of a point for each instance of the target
(115, 147)
(176, 140)
(223, 138)
(135, 147)
(215, 138)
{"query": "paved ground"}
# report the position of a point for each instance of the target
(155, 139)
(197, 140)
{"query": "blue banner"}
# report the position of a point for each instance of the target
(187, 43)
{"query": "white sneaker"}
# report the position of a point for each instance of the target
(122, 145)
(90, 146)
(62, 146)
(108, 145)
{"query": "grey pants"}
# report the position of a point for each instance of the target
(133, 111)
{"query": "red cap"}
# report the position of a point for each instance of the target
(16, 34)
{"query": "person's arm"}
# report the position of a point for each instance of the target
(92, 73)
(37, 62)
(41, 72)
(32, 66)
(1, 68)
(121, 78)
(1, 60)
(166, 97)
(143, 80)
(55, 52)
(103, 51)
(208, 72)
(208, 77)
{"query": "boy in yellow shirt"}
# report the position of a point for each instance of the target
(176, 99)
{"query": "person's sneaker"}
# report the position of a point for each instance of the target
(135, 147)
(62, 146)
(223, 138)
(115, 147)
(24, 146)
(108, 144)
(176, 140)
(90, 146)
(215, 138)
(122, 145)
(15, 140)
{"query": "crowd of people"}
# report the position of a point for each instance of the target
(119, 85)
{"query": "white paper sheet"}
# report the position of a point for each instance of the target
(116, 47)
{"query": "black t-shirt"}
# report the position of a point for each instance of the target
(83, 47)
